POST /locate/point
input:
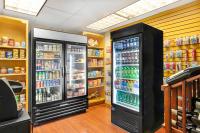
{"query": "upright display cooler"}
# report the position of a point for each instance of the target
(75, 71)
(137, 100)
(58, 75)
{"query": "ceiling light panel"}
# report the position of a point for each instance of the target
(106, 22)
(142, 7)
(31, 7)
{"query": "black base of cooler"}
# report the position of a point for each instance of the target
(44, 114)
(126, 120)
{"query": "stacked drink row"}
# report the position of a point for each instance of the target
(128, 57)
(130, 72)
(127, 85)
(47, 95)
(127, 44)
(128, 98)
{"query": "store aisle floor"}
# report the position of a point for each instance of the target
(96, 120)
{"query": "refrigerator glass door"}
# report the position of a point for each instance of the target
(126, 73)
(75, 71)
(49, 66)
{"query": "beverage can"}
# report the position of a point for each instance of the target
(50, 47)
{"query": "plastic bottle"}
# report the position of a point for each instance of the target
(136, 87)
(37, 96)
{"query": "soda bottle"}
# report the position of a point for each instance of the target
(37, 96)
(136, 87)
(137, 101)
(130, 72)
(122, 72)
(125, 71)
(130, 85)
(128, 43)
(125, 85)
(117, 72)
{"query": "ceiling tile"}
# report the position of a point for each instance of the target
(51, 17)
(68, 6)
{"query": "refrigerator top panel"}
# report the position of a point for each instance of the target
(126, 73)
(49, 67)
(61, 36)
(76, 73)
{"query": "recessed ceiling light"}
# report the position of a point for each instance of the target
(106, 22)
(31, 7)
(138, 8)
(142, 7)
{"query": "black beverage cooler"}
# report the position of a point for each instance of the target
(58, 75)
(137, 76)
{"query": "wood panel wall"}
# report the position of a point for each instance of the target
(179, 22)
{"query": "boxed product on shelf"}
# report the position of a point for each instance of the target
(22, 54)
(95, 83)
(100, 63)
(95, 62)
(3, 70)
(11, 42)
(17, 44)
(23, 44)
(2, 54)
(93, 43)
(95, 73)
(15, 53)
(9, 54)
(95, 52)
(10, 70)
(4, 40)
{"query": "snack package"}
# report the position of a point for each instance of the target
(167, 43)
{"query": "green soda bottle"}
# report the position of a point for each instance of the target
(131, 99)
(132, 72)
(122, 72)
(138, 100)
(137, 73)
(129, 72)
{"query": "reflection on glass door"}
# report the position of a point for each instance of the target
(48, 72)
(75, 71)
(126, 73)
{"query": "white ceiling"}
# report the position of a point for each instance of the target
(71, 15)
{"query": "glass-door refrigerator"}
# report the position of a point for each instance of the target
(137, 72)
(49, 72)
(75, 71)
(58, 75)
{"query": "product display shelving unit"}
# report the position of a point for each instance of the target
(16, 29)
(179, 96)
(99, 89)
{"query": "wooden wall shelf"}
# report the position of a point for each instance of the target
(99, 88)
(17, 29)
(14, 74)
